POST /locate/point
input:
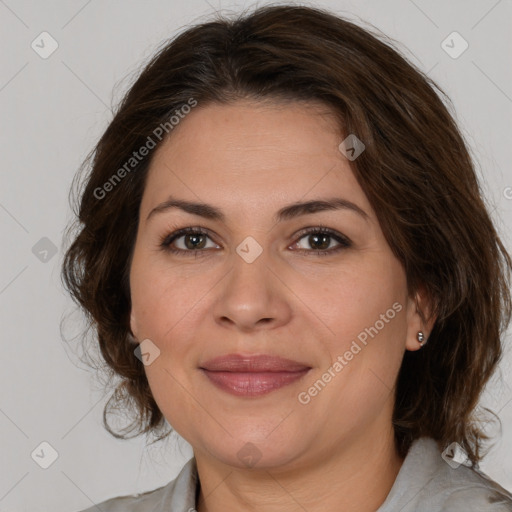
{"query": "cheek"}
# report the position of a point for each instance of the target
(364, 294)
(364, 307)
(173, 394)
(162, 297)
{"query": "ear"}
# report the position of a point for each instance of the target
(417, 307)
(133, 328)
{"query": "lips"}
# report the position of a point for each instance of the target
(252, 375)
(256, 363)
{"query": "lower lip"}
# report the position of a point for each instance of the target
(253, 383)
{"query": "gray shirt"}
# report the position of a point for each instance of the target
(425, 483)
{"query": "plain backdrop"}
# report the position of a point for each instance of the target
(54, 109)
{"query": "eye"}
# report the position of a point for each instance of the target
(321, 239)
(187, 240)
(194, 241)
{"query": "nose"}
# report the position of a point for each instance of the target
(253, 297)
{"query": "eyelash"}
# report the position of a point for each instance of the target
(166, 241)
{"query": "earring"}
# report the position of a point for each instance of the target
(421, 338)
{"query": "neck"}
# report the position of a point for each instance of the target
(356, 476)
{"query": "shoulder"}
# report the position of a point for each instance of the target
(178, 494)
(429, 481)
(466, 489)
(137, 502)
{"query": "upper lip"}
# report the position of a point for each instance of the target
(252, 363)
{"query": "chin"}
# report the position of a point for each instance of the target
(256, 454)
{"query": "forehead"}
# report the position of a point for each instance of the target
(248, 156)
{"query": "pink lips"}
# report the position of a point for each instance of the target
(252, 375)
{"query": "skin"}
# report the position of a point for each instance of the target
(249, 160)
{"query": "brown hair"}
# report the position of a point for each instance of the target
(415, 171)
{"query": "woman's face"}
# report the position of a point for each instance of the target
(258, 282)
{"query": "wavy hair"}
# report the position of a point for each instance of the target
(416, 172)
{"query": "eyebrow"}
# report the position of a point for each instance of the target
(286, 213)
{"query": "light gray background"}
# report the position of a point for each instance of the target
(53, 110)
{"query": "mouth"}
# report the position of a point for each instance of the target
(252, 375)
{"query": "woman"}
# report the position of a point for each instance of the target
(285, 255)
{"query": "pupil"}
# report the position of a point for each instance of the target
(313, 240)
(194, 240)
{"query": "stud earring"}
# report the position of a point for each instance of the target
(421, 338)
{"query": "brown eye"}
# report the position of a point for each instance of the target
(322, 241)
(194, 241)
(187, 240)
(319, 241)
